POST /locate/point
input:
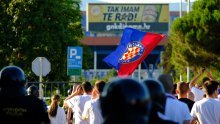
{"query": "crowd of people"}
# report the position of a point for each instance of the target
(119, 101)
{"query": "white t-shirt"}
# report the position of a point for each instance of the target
(198, 93)
(92, 111)
(207, 111)
(176, 110)
(77, 104)
(60, 118)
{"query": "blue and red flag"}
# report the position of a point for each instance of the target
(134, 47)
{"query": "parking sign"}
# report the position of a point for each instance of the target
(74, 60)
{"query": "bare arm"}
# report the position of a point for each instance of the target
(69, 111)
(74, 93)
(210, 75)
(194, 121)
(193, 82)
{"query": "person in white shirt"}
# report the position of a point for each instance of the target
(92, 109)
(195, 88)
(175, 110)
(56, 113)
(206, 111)
(77, 103)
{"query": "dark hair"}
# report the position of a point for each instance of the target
(99, 85)
(54, 105)
(69, 91)
(174, 88)
(182, 87)
(210, 87)
(87, 87)
(205, 79)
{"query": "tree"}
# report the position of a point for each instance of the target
(39, 28)
(195, 38)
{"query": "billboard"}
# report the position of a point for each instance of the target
(115, 17)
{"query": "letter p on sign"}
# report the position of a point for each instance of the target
(73, 52)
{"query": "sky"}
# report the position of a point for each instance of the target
(174, 3)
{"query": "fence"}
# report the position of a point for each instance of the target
(51, 88)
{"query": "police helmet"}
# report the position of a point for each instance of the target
(12, 81)
(33, 90)
(158, 96)
(156, 89)
(125, 101)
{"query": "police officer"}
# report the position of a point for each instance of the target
(15, 106)
(125, 101)
(158, 97)
(34, 91)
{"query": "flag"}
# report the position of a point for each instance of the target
(134, 47)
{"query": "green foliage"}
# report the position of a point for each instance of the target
(195, 38)
(111, 74)
(33, 28)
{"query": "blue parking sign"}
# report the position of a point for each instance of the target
(74, 60)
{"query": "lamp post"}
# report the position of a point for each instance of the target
(188, 6)
(188, 69)
(180, 8)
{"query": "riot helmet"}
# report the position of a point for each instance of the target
(125, 101)
(12, 81)
(33, 90)
(158, 97)
(156, 89)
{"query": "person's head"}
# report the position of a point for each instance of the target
(156, 89)
(33, 90)
(182, 89)
(12, 81)
(211, 88)
(125, 101)
(86, 87)
(157, 94)
(69, 91)
(205, 79)
(167, 82)
(55, 101)
(98, 88)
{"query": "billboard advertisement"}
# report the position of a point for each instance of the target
(115, 17)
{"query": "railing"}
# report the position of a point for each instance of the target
(51, 88)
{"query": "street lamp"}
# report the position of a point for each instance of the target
(188, 6)
(180, 8)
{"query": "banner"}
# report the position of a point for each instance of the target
(141, 16)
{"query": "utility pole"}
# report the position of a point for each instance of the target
(180, 8)
(188, 69)
(188, 6)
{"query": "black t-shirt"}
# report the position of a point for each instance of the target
(22, 110)
(188, 102)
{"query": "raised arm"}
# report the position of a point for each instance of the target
(76, 92)
(195, 79)
(210, 75)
